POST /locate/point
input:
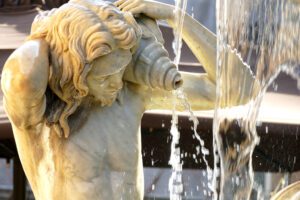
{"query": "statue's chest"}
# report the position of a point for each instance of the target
(114, 125)
(108, 120)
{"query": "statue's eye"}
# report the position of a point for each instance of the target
(101, 80)
(111, 16)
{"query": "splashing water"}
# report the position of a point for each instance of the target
(257, 39)
(187, 107)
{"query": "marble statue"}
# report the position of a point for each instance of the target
(76, 90)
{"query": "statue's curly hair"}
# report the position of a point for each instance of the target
(77, 33)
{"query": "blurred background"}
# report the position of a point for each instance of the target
(276, 159)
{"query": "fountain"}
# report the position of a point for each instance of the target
(264, 36)
(63, 88)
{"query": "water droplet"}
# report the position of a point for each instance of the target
(153, 187)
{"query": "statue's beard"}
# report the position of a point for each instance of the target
(105, 100)
(108, 101)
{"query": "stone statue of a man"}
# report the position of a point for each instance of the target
(75, 108)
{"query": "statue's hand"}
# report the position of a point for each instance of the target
(155, 10)
(133, 6)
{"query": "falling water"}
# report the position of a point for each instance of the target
(204, 151)
(257, 39)
(175, 181)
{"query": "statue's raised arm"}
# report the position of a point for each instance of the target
(200, 89)
(24, 82)
(199, 39)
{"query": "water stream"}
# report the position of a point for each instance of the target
(175, 181)
(257, 39)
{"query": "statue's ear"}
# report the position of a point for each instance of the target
(150, 28)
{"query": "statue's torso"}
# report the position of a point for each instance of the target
(101, 160)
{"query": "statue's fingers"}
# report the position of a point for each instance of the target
(136, 10)
(131, 6)
(119, 2)
(124, 4)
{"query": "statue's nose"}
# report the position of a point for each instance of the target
(116, 82)
(116, 86)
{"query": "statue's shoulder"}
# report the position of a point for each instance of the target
(24, 65)
(32, 52)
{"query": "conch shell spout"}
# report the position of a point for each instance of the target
(151, 66)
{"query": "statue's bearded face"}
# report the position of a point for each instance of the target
(103, 87)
